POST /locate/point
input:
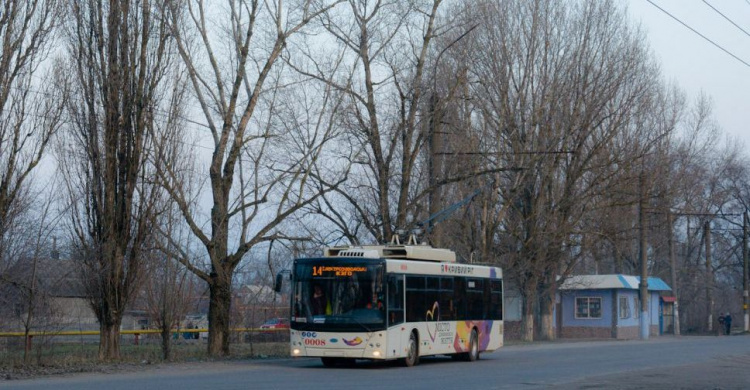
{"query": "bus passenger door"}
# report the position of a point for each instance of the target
(395, 318)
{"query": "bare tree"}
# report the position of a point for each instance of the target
(35, 273)
(262, 160)
(119, 54)
(382, 57)
(561, 83)
(167, 291)
(30, 109)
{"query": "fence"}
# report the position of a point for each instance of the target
(47, 342)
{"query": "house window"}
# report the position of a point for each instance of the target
(624, 308)
(589, 307)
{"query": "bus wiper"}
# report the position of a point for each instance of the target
(361, 324)
(346, 317)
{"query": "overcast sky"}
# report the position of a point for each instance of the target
(696, 64)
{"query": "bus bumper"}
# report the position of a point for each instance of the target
(328, 345)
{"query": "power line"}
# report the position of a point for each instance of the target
(727, 18)
(699, 34)
(532, 152)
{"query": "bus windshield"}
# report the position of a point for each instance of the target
(340, 294)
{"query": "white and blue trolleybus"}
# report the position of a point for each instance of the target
(388, 302)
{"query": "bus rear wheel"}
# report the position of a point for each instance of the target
(412, 353)
(473, 353)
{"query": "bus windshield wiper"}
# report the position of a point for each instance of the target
(345, 317)
(361, 324)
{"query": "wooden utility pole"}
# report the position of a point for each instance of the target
(745, 273)
(434, 166)
(645, 321)
(709, 277)
(673, 262)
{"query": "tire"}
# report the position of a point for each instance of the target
(329, 362)
(412, 354)
(473, 354)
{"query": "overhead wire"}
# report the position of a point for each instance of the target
(699, 34)
(727, 18)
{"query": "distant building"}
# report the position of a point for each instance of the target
(606, 306)
(597, 306)
(61, 300)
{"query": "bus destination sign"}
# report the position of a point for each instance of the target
(324, 270)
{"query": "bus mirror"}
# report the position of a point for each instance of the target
(279, 282)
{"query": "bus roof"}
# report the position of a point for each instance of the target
(443, 269)
(405, 252)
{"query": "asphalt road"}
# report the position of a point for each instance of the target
(666, 362)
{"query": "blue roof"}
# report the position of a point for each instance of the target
(655, 284)
(617, 281)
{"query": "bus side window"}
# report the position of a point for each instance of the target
(416, 308)
(474, 299)
(496, 305)
(395, 299)
(487, 312)
(447, 307)
(459, 295)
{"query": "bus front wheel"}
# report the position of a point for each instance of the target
(329, 362)
(412, 353)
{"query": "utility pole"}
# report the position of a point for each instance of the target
(644, 264)
(745, 272)
(673, 262)
(434, 166)
(709, 277)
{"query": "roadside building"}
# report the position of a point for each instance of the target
(607, 306)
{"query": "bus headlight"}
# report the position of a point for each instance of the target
(376, 354)
(296, 351)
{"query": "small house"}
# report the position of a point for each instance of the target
(606, 306)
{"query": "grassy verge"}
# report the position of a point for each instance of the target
(63, 358)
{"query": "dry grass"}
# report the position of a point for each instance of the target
(51, 358)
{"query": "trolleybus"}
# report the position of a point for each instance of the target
(393, 302)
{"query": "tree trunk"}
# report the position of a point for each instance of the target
(547, 308)
(218, 317)
(166, 343)
(26, 346)
(109, 338)
(527, 317)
